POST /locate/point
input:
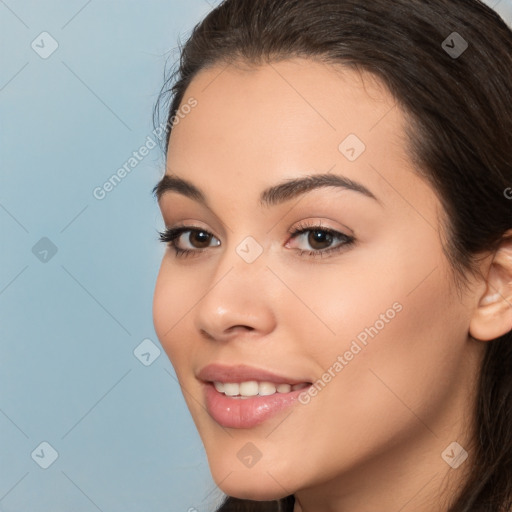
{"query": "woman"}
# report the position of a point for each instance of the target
(336, 297)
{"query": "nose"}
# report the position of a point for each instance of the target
(237, 300)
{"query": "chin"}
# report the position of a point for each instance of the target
(250, 484)
(246, 491)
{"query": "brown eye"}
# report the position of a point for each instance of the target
(188, 241)
(319, 239)
(199, 239)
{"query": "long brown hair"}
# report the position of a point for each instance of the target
(459, 109)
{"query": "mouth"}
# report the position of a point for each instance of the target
(251, 388)
(243, 397)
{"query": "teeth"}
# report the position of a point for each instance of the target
(249, 388)
(231, 389)
(219, 386)
(254, 388)
(266, 388)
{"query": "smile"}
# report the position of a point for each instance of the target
(252, 388)
(244, 397)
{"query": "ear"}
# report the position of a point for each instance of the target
(493, 316)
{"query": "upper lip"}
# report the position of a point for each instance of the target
(242, 373)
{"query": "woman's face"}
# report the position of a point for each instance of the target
(358, 312)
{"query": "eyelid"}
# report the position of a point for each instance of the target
(176, 216)
(193, 226)
(317, 223)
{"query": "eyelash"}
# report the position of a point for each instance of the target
(170, 235)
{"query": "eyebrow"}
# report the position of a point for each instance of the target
(271, 196)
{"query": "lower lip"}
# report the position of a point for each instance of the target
(246, 412)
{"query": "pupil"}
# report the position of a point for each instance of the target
(201, 238)
(319, 237)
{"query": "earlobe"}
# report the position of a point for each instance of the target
(493, 315)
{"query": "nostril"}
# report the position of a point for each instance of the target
(206, 335)
(241, 327)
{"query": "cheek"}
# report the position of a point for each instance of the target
(384, 328)
(173, 298)
(360, 295)
(391, 387)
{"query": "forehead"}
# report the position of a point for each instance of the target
(308, 95)
(254, 124)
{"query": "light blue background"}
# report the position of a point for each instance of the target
(69, 326)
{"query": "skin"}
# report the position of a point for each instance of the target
(372, 439)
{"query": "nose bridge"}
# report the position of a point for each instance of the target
(237, 293)
(244, 260)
